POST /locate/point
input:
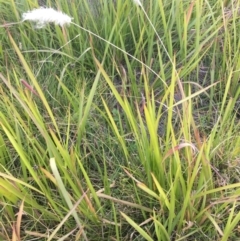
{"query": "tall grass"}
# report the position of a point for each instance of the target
(123, 126)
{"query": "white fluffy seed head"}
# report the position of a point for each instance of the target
(43, 16)
(138, 2)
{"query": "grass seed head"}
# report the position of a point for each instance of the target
(138, 2)
(43, 16)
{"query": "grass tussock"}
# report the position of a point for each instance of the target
(123, 125)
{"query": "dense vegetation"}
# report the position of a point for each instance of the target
(123, 125)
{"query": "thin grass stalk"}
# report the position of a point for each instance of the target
(34, 81)
(72, 210)
(161, 232)
(137, 227)
(67, 199)
(89, 183)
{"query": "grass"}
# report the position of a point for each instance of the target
(122, 126)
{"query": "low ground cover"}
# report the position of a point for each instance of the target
(121, 125)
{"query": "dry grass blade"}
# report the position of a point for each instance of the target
(67, 198)
(134, 205)
(137, 227)
(19, 219)
(81, 228)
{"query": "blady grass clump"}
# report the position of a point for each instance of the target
(119, 125)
